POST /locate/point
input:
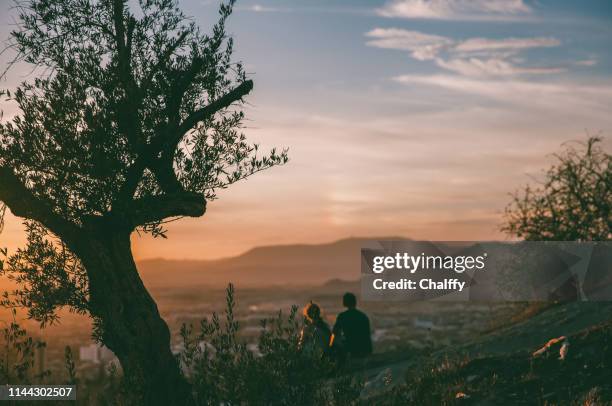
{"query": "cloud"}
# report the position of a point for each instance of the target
(421, 46)
(455, 9)
(470, 57)
(491, 67)
(568, 98)
(258, 8)
(515, 44)
(587, 62)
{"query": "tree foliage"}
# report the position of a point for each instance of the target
(130, 116)
(47, 275)
(130, 122)
(571, 203)
(18, 353)
(133, 118)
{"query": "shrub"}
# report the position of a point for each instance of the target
(223, 370)
(217, 363)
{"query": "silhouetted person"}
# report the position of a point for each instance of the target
(351, 332)
(315, 335)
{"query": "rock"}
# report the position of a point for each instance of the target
(564, 349)
(461, 395)
(549, 344)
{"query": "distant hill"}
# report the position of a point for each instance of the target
(298, 264)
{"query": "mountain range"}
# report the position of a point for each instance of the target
(282, 265)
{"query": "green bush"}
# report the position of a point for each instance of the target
(218, 364)
(223, 370)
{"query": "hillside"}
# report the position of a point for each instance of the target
(500, 367)
(295, 265)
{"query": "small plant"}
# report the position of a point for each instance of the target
(70, 366)
(223, 370)
(217, 363)
(18, 354)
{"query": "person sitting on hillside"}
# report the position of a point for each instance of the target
(316, 334)
(351, 333)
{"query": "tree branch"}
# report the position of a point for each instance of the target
(118, 8)
(163, 59)
(166, 178)
(24, 204)
(157, 208)
(132, 178)
(224, 101)
(168, 145)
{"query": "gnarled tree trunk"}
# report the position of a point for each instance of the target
(131, 324)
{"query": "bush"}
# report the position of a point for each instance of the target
(570, 203)
(218, 364)
(18, 351)
(223, 370)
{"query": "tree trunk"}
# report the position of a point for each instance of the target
(131, 325)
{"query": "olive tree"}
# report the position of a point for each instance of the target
(571, 203)
(131, 117)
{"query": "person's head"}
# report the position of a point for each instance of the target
(349, 300)
(312, 312)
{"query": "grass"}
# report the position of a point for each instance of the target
(583, 378)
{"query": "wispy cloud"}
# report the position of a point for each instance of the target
(492, 67)
(455, 9)
(587, 62)
(421, 46)
(569, 98)
(470, 57)
(486, 44)
(304, 7)
(260, 8)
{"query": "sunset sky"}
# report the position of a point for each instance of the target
(406, 118)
